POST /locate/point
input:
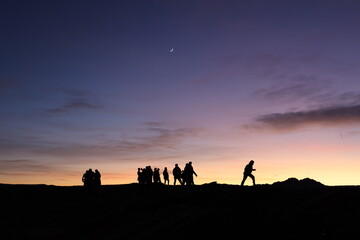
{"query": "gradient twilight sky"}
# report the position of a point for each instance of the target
(93, 84)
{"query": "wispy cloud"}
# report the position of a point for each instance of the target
(152, 142)
(74, 104)
(324, 116)
(299, 87)
(162, 138)
(23, 165)
(169, 138)
(346, 98)
(154, 124)
(76, 100)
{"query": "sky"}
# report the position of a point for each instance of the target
(95, 84)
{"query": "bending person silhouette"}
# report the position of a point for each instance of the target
(247, 172)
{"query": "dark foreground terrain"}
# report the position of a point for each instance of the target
(210, 211)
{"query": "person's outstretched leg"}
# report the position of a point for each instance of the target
(243, 181)
(253, 178)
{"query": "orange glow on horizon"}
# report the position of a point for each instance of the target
(329, 172)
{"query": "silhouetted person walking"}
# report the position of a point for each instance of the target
(190, 174)
(177, 174)
(185, 174)
(247, 172)
(166, 176)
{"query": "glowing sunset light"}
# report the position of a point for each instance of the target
(94, 85)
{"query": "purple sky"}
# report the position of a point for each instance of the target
(94, 84)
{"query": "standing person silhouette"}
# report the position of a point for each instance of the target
(139, 174)
(97, 179)
(191, 174)
(156, 175)
(247, 172)
(177, 174)
(88, 179)
(166, 176)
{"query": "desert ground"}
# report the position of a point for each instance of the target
(209, 211)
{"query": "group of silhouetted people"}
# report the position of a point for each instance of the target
(91, 179)
(184, 177)
(149, 176)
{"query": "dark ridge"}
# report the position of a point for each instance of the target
(208, 211)
(306, 183)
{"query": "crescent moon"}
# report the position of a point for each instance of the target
(172, 49)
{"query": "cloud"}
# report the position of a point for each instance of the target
(75, 104)
(325, 116)
(76, 100)
(161, 138)
(345, 98)
(154, 124)
(150, 143)
(299, 87)
(169, 138)
(18, 166)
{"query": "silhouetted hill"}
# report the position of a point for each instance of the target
(306, 183)
(209, 211)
